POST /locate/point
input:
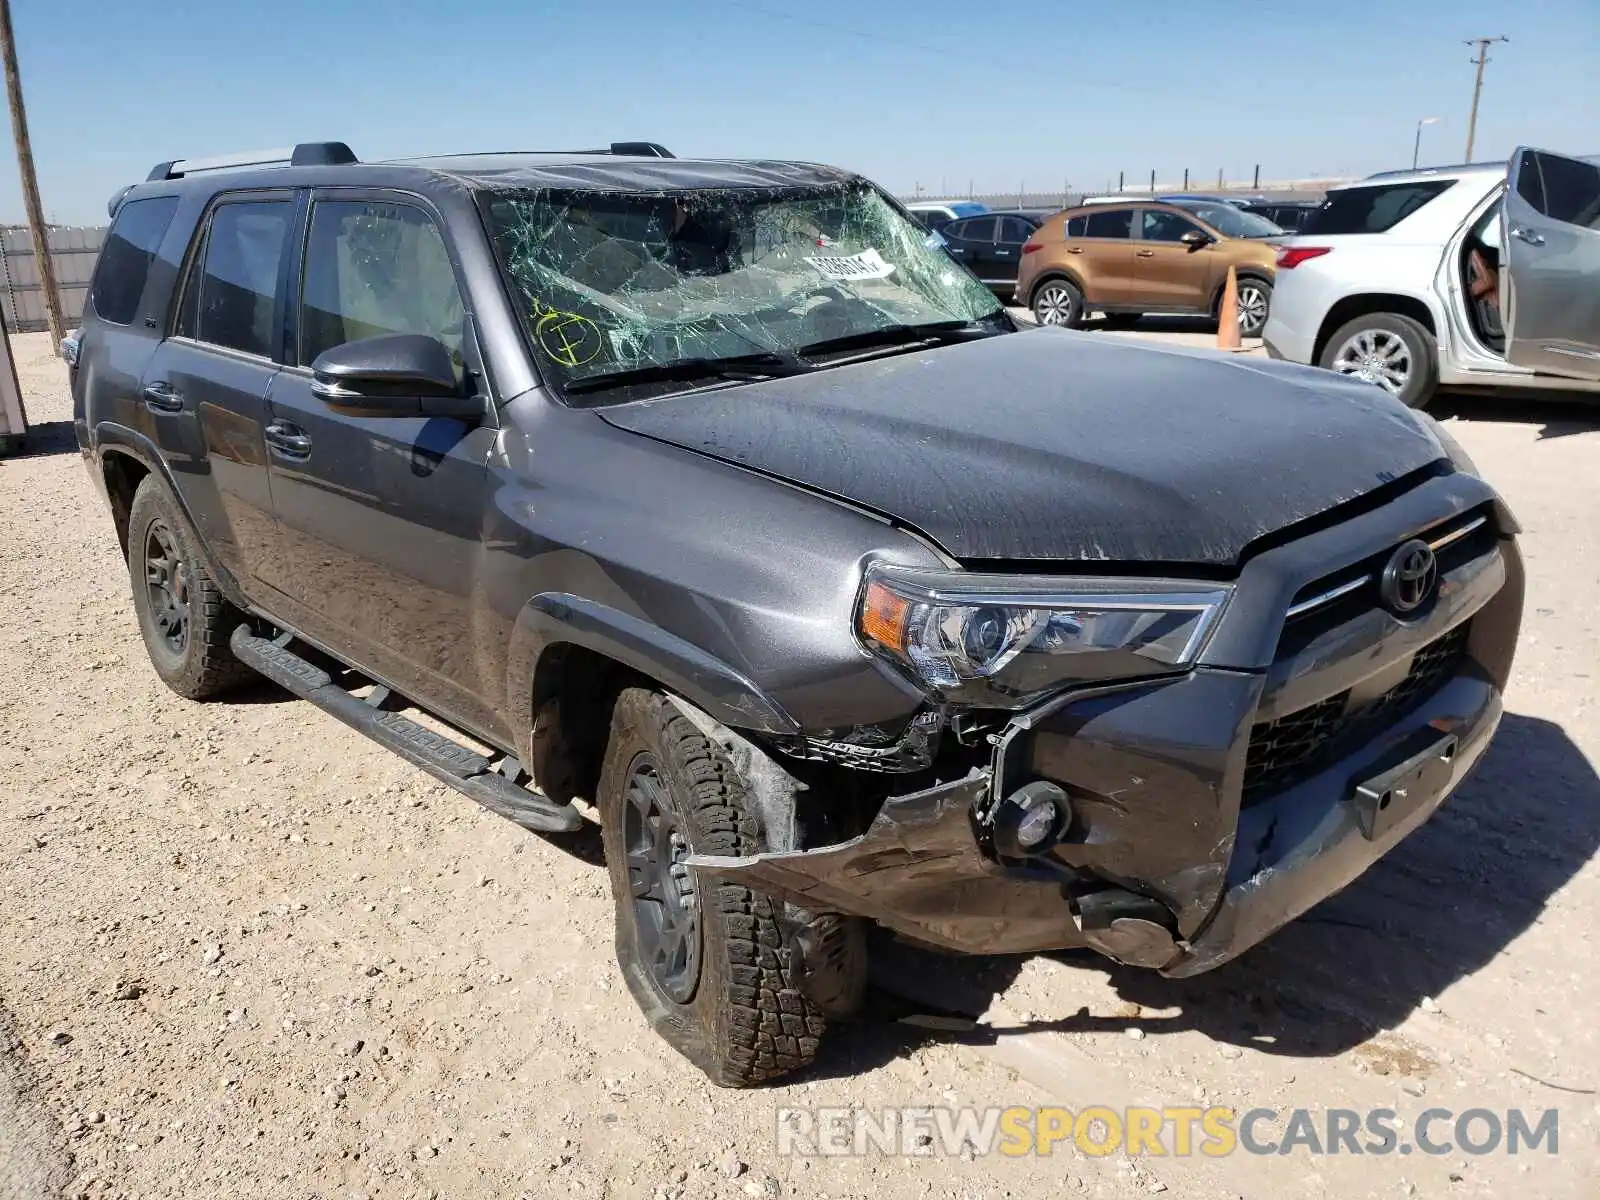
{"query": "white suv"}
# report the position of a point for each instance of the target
(1413, 279)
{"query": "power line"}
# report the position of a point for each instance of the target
(1482, 60)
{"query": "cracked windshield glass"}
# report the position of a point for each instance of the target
(611, 283)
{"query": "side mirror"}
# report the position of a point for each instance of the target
(393, 375)
(1195, 239)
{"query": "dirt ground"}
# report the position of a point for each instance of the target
(246, 953)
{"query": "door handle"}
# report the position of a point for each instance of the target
(288, 440)
(162, 398)
(1001, 253)
(1074, 249)
(1532, 236)
(1145, 253)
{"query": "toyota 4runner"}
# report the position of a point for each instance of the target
(713, 497)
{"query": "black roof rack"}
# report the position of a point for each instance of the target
(641, 149)
(306, 154)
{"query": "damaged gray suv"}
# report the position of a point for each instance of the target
(712, 501)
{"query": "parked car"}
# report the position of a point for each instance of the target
(1288, 215)
(935, 215)
(710, 493)
(1202, 198)
(1130, 259)
(1450, 276)
(990, 246)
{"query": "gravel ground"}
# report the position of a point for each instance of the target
(247, 952)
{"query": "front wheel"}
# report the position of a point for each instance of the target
(1389, 350)
(1255, 299)
(1057, 302)
(709, 962)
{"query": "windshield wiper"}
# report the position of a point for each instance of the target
(764, 365)
(902, 335)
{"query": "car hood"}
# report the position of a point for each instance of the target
(1058, 445)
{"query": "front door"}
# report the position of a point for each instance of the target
(381, 517)
(1170, 273)
(205, 386)
(1007, 254)
(1550, 277)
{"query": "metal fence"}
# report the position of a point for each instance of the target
(73, 251)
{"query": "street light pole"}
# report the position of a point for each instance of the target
(1416, 147)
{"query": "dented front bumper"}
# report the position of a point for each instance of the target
(1154, 821)
(1183, 851)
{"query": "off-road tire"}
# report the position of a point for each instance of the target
(205, 667)
(747, 1020)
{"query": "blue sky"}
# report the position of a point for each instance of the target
(906, 91)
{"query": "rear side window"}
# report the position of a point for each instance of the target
(1113, 224)
(1015, 229)
(974, 229)
(231, 294)
(129, 250)
(1075, 226)
(1375, 209)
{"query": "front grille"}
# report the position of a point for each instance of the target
(1297, 745)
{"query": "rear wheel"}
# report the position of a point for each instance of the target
(711, 964)
(1057, 302)
(183, 616)
(1255, 299)
(1394, 352)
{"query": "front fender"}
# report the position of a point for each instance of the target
(556, 618)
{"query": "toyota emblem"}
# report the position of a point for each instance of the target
(1409, 578)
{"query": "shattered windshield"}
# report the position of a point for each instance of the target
(612, 282)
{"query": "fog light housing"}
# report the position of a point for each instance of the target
(1031, 819)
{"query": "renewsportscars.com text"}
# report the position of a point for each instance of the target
(1161, 1132)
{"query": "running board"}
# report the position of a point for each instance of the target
(445, 759)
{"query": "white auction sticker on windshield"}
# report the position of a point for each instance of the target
(868, 264)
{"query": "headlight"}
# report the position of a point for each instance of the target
(1003, 640)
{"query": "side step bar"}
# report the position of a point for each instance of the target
(447, 761)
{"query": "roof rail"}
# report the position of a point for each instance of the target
(306, 154)
(1443, 167)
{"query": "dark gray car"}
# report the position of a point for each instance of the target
(712, 493)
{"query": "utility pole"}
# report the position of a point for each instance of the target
(1482, 60)
(30, 183)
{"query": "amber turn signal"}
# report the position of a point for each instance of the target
(883, 617)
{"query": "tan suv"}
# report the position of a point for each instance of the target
(1129, 259)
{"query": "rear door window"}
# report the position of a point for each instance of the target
(231, 295)
(1110, 223)
(974, 229)
(1015, 230)
(1374, 209)
(130, 248)
(1075, 226)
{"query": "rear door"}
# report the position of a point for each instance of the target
(381, 518)
(1007, 254)
(1103, 256)
(971, 243)
(1168, 272)
(204, 389)
(1550, 276)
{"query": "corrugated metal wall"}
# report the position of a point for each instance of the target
(74, 251)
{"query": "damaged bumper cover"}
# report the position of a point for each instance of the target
(924, 868)
(1208, 809)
